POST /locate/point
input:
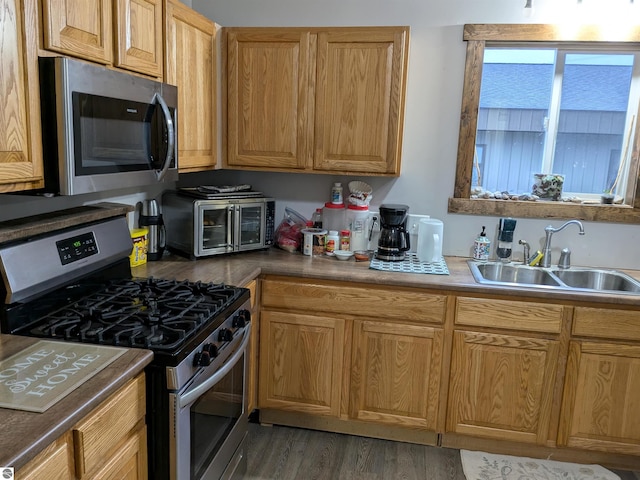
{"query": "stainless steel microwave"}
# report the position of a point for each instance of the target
(199, 225)
(104, 129)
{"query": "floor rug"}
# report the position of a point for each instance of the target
(487, 466)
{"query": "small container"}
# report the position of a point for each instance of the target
(336, 193)
(363, 255)
(332, 243)
(313, 241)
(481, 247)
(344, 254)
(333, 216)
(138, 256)
(345, 240)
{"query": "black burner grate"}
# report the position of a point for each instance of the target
(151, 313)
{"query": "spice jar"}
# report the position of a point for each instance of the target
(345, 240)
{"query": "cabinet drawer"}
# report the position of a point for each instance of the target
(97, 437)
(366, 301)
(607, 323)
(485, 312)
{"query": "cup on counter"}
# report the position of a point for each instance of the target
(313, 241)
(430, 240)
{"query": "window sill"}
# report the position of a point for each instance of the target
(561, 210)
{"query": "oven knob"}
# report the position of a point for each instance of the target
(225, 335)
(240, 320)
(202, 359)
(211, 349)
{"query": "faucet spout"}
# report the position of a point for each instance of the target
(549, 231)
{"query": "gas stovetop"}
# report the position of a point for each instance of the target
(79, 288)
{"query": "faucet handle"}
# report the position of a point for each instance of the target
(565, 258)
(527, 250)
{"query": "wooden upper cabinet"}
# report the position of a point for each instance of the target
(138, 30)
(124, 33)
(324, 100)
(20, 131)
(190, 63)
(268, 98)
(80, 28)
(360, 100)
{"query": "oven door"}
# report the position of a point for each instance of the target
(249, 228)
(208, 419)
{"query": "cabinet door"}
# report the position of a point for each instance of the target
(80, 28)
(395, 376)
(139, 36)
(360, 100)
(129, 462)
(191, 66)
(501, 386)
(20, 137)
(301, 362)
(601, 397)
(269, 105)
(55, 462)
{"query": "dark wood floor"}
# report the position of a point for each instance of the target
(283, 453)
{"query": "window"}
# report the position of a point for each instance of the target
(564, 110)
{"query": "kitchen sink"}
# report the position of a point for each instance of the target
(572, 279)
(605, 280)
(498, 272)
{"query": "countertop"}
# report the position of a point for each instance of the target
(25, 434)
(240, 268)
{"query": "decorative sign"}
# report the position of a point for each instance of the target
(44, 373)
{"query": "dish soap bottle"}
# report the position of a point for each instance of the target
(481, 247)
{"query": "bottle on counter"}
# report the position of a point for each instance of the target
(332, 243)
(336, 193)
(345, 240)
(316, 218)
(505, 239)
(481, 247)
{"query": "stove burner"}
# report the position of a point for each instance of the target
(151, 313)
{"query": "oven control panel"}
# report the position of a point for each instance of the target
(76, 248)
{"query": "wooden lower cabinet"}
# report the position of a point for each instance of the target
(501, 386)
(108, 444)
(301, 362)
(395, 373)
(54, 463)
(601, 405)
(352, 357)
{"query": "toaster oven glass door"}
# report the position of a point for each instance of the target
(216, 225)
(251, 226)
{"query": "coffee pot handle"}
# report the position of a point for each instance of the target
(407, 241)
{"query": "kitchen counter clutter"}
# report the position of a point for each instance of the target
(27, 434)
(437, 359)
(240, 269)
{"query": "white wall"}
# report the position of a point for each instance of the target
(436, 66)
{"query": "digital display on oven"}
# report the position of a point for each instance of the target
(76, 248)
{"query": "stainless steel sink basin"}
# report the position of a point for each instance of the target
(571, 279)
(603, 280)
(499, 272)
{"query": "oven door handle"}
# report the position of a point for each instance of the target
(191, 396)
(171, 136)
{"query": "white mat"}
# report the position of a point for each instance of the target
(487, 466)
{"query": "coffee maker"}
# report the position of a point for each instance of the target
(394, 237)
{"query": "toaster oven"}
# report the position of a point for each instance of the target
(200, 224)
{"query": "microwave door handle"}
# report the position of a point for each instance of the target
(191, 396)
(171, 135)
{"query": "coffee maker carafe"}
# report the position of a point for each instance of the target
(151, 218)
(394, 237)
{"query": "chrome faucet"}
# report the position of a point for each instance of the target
(549, 231)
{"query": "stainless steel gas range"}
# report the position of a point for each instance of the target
(75, 284)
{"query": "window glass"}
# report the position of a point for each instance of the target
(550, 111)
